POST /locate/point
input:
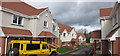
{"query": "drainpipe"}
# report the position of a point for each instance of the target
(6, 46)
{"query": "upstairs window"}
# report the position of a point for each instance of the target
(114, 20)
(72, 34)
(64, 34)
(45, 24)
(17, 20)
(54, 28)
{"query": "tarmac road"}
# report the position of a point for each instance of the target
(80, 52)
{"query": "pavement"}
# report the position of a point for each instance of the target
(84, 51)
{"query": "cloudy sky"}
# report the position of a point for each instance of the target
(75, 14)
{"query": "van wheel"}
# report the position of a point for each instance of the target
(13, 52)
(54, 54)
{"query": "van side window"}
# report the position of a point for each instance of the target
(33, 46)
(21, 46)
(44, 46)
(16, 45)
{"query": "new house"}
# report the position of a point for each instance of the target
(96, 35)
(67, 33)
(20, 21)
(81, 38)
(110, 28)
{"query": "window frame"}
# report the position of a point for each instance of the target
(114, 20)
(53, 28)
(64, 34)
(45, 44)
(17, 20)
(63, 44)
(46, 25)
(31, 47)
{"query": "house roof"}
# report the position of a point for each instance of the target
(14, 31)
(80, 34)
(54, 19)
(45, 33)
(105, 12)
(112, 32)
(22, 7)
(74, 39)
(96, 34)
(63, 27)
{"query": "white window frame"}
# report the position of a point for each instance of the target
(63, 44)
(55, 28)
(17, 20)
(46, 25)
(63, 34)
(114, 20)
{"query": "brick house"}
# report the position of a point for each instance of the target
(19, 20)
(110, 28)
(67, 33)
(96, 35)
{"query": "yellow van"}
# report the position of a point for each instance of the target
(30, 48)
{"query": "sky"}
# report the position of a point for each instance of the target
(75, 14)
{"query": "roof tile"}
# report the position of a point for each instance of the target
(22, 7)
(45, 33)
(14, 31)
(63, 27)
(105, 12)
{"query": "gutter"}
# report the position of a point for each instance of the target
(6, 45)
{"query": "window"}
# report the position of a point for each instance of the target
(44, 46)
(72, 34)
(16, 45)
(20, 20)
(33, 46)
(17, 20)
(114, 20)
(64, 43)
(45, 24)
(64, 34)
(54, 28)
(21, 46)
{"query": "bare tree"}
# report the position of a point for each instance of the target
(82, 30)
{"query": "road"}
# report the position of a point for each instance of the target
(80, 52)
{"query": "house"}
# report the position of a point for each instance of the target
(96, 35)
(81, 38)
(21, 21)
(110, 28)
(66, 34)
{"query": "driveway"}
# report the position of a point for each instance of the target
(80, 52)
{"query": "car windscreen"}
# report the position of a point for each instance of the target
(32, 46)
(16, 45)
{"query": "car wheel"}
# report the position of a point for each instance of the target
(13, 52)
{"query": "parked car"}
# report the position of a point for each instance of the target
(30, 48)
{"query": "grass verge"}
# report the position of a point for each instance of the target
(62, 50)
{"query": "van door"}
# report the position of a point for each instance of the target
(45, 50)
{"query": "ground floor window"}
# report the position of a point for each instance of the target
(64, 43)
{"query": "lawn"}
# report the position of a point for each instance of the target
(62, 50)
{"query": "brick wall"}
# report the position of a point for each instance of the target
(105, 47)
(2, 45)
(116, 46)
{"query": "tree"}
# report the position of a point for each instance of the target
(82, 30)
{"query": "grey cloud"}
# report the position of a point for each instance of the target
(72, 13)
